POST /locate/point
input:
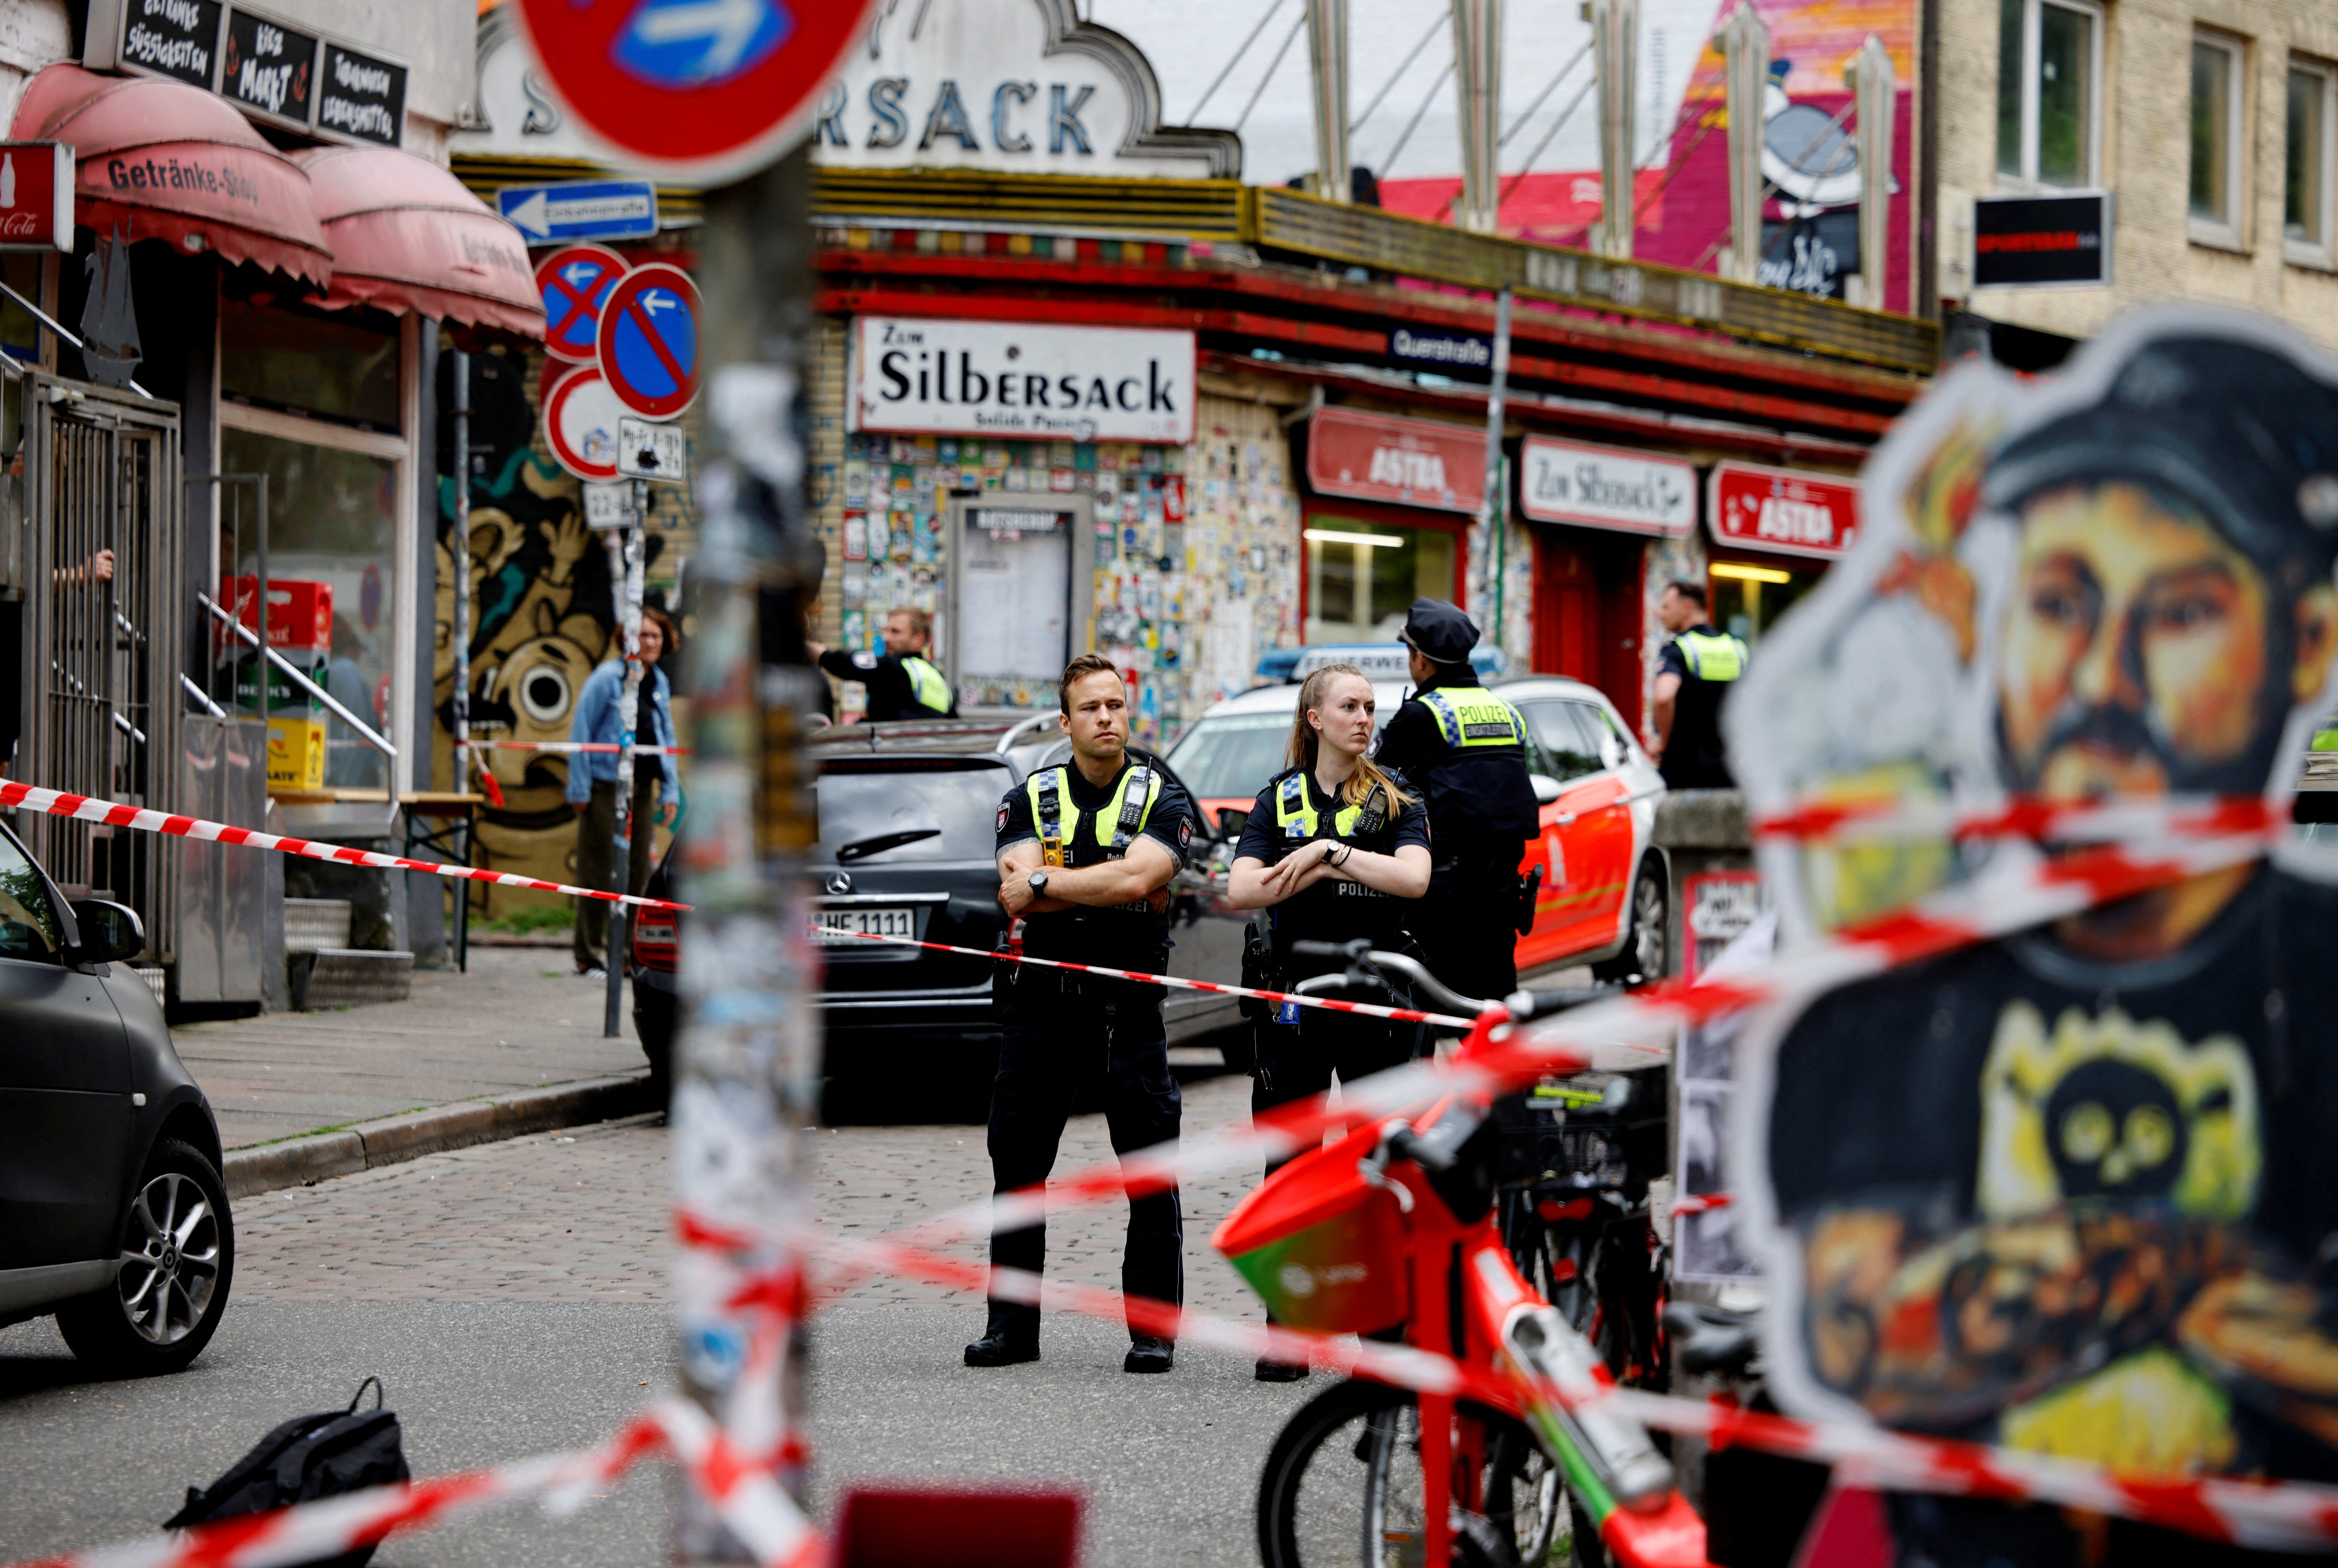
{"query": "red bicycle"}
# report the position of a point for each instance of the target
(1394, 1228)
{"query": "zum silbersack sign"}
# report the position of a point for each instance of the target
(1016, 381)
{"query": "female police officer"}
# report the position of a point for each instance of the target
(1332, 847)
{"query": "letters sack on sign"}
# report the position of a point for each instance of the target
(1783, 510)
(36, 196)
(1607, 487)
(1014, 381)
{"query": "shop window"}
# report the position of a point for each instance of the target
(2048, 99)
(338, 365)
(1363, 577)
(2216, 94)
(332, 518)
(2310, 136)
(1748, 600)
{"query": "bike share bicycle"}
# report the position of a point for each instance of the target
(1398, 1225)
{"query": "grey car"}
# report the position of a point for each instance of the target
(113, 1212)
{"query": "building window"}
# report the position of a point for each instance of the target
(2216, 138)
(2307, 162)
(1362, 576)
(2049, 107)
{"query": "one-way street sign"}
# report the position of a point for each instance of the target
(584, 210)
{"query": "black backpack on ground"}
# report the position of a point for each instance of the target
(312, 1457)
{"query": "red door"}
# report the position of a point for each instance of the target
(1588, 612)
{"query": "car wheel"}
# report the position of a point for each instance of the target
(1645, 936)
(177, 1258)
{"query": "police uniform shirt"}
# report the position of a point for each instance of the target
(892, 694)
(1474, 793)
(1695, 739)
(1333, 909)
(2180, 1107)
(1132, 937)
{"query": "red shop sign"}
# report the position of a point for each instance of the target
(1412, 461)
(36, 196)
(1783, 510)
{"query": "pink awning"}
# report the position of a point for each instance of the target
(162, 160)
(407, 236)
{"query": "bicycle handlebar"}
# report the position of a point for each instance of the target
(1366, 963)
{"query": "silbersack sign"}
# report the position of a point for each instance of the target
(1607, 487)
(1783, 510)
(1015, 381)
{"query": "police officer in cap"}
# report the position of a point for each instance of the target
(1086, 850)
(902, 682)
(1464, 748)
(1337, 850)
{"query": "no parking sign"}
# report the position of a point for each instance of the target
(648, 340)
(576, 282)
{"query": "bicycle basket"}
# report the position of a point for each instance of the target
(1324, 1248)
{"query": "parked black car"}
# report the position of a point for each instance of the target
(908, 831)
(113, 1212)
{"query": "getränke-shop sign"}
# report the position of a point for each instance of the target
(1015, 381)
(1783, 510)
(1607, 487)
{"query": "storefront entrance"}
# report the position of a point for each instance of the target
(1589, 617)
(1748, 597)
(1364, 574)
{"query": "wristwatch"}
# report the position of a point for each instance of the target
(1038, 884)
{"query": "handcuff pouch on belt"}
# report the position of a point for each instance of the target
(1529, 889)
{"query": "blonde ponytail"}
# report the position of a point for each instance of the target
(1305, 743)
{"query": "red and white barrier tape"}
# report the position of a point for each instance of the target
(752, 1504)
(2026, 816)
(1180, 983)
(88, 808)
(569, 748)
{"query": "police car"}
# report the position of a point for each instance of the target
(1604, 894)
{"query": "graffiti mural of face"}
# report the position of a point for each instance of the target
(2136, 652)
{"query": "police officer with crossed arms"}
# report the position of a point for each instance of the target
(1334, 850)
(1086, 850)
(903, 683)
(1464, 748)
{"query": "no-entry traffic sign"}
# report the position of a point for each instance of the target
(579, 425)
(705, 90)
(649, 340)
(576, 282)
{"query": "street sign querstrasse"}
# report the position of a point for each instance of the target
(704, 90)
(581, 209)
(649, 340)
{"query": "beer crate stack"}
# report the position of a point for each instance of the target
(300, 628)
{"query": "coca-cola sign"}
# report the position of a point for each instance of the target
(36, 196)
(1412, 461)
(1783, 510)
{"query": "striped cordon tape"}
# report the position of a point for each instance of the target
(571, 747)
(89, 809)
(1496, 1056)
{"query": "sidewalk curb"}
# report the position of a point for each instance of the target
(393, 1140)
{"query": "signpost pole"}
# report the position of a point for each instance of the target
(749, 1049)
(1492, 511)
(630, 628)
(459, 558)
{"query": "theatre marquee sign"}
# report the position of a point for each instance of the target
(1019, 382)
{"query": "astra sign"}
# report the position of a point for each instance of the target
(1382, 457)
(1783, 510)
(1014, 381)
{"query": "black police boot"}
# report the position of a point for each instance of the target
(1002, 1348)
(1273, 1371)
(1148, 1354)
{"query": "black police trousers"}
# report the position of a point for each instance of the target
(1057, 1043)
(1297, 1059)
(1469, 931)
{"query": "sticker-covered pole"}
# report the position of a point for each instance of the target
(1493, 514)
(458, 561)
(628, 708)
(745, 1088)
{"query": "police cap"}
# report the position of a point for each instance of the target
(2223, 424)
(1440, 633)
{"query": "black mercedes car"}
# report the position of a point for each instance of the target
(908, 831)
(113, 1212)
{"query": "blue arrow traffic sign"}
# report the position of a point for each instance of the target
(576, 282)
(583, 210)
(649, 340)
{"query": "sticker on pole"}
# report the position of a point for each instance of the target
(649, 340)
(649, 450)
(706, 90)
(608, 506)
(576, 282)
(580, 425)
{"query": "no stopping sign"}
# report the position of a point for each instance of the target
(649, 340)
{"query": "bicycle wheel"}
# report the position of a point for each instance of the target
(1342, 1488)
